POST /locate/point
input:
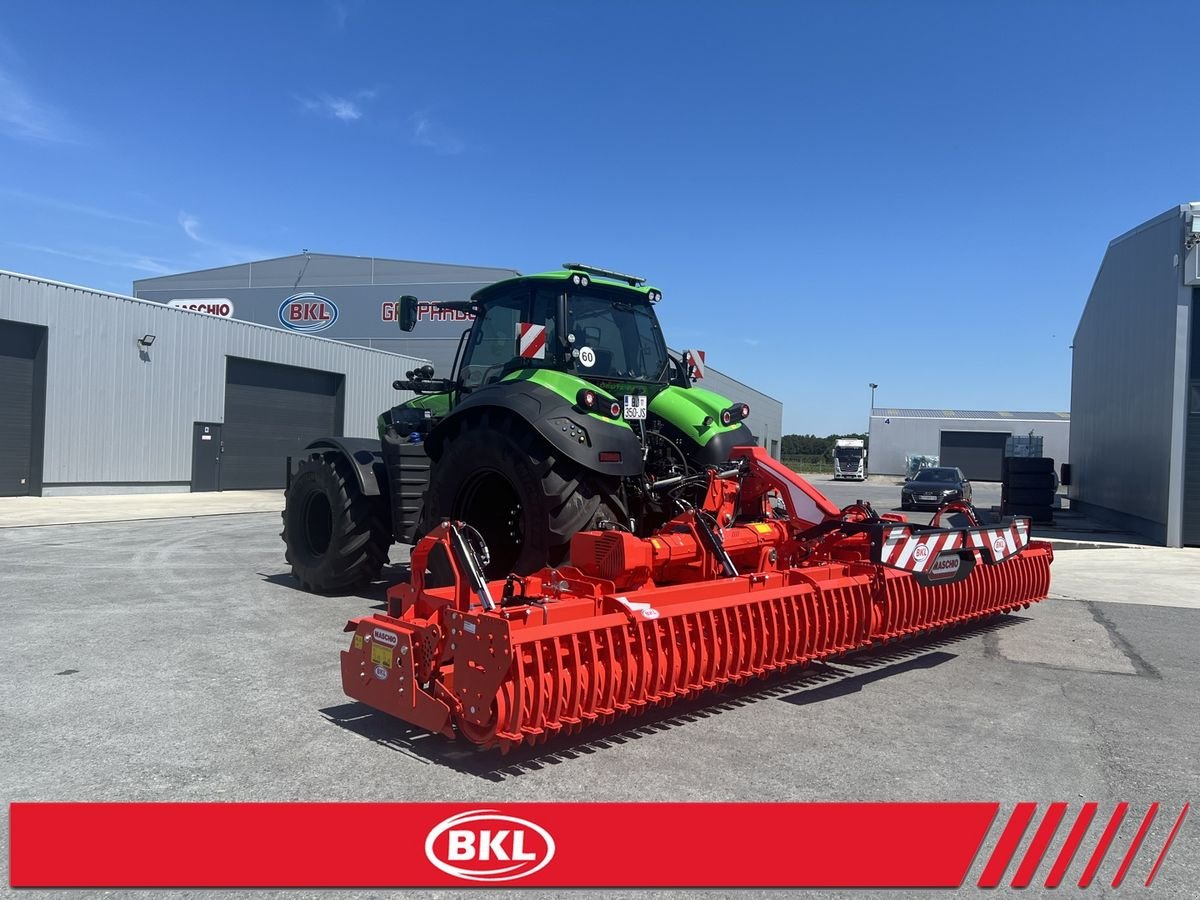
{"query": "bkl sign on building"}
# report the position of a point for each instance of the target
(307, 312)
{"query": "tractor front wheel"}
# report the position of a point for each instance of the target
(337, 537)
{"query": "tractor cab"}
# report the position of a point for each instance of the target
(595, 324)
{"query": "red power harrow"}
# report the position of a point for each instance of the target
(764, 575)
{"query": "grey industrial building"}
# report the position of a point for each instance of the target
(101, 393)
(1135, 383)
(973, 440)
(353, 299)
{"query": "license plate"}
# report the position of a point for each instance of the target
(635, 406)
(927, 497)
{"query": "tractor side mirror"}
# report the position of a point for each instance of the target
(408, 313)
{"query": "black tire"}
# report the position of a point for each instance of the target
(498, 475)
(1029, 465)
(1029, 497)
(337, 538)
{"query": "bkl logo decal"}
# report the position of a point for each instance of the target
(307, 312)
(486, 845)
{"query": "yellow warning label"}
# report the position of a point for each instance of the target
(761, 527)
(358, 642)
(381, 656)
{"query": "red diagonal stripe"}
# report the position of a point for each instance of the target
(1136, 845)
(1074, 838)
(1101, 848)
(1037, 847)
(1167, 845)
(993, 872)
(537, 342)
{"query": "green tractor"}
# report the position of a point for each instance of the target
(564, 412)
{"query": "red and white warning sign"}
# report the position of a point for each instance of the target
(531, 340)
(694, 359)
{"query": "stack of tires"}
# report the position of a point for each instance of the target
(1028, 487)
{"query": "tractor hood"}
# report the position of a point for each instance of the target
(688, 409)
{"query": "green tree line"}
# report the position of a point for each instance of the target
(805, 446)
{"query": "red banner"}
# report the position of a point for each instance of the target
(842, 845)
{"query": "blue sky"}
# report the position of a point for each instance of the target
(805, 182)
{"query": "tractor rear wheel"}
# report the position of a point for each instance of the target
(337, 537)
(527, 501)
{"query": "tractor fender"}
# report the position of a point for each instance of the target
(366, 458)
(720, 447)
(552, 417)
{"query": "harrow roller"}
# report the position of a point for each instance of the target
(584, 644)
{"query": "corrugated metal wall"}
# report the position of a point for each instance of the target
(1122, 375)
(894, 437)
(119, 415)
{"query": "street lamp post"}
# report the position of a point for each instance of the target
(870, 413)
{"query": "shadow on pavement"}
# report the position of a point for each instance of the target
(801, 686)
(375, 593)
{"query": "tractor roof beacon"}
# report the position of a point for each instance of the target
(564, 412)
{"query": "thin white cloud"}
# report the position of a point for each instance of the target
(78, 208)
(24, 117)
(217, 251)
(345, 109)
(191, 226)
(104, 256)
(426, 132)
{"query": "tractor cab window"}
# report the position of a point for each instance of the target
(496, 341)
(615, 337)
(492, 344)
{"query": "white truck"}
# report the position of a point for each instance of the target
(849, 459)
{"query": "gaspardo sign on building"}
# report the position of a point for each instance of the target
(426, 312)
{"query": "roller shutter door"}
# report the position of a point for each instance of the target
(19, 404)
(271, 413)
(1191, 470)
(980, 454)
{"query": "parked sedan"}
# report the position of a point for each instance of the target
(935, 486)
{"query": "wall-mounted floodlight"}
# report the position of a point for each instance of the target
(145, 340)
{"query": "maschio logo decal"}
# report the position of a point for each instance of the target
(307, 312)
(945, 566)
(485, 845)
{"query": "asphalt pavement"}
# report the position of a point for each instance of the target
(177, 660)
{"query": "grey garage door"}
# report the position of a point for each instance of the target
(22, 397)
(980, 454)
(1191, 466)
(271, 413)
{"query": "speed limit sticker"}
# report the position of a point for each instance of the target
(587, 356)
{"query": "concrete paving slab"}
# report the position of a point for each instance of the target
(1150, 576)
(19, 512)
